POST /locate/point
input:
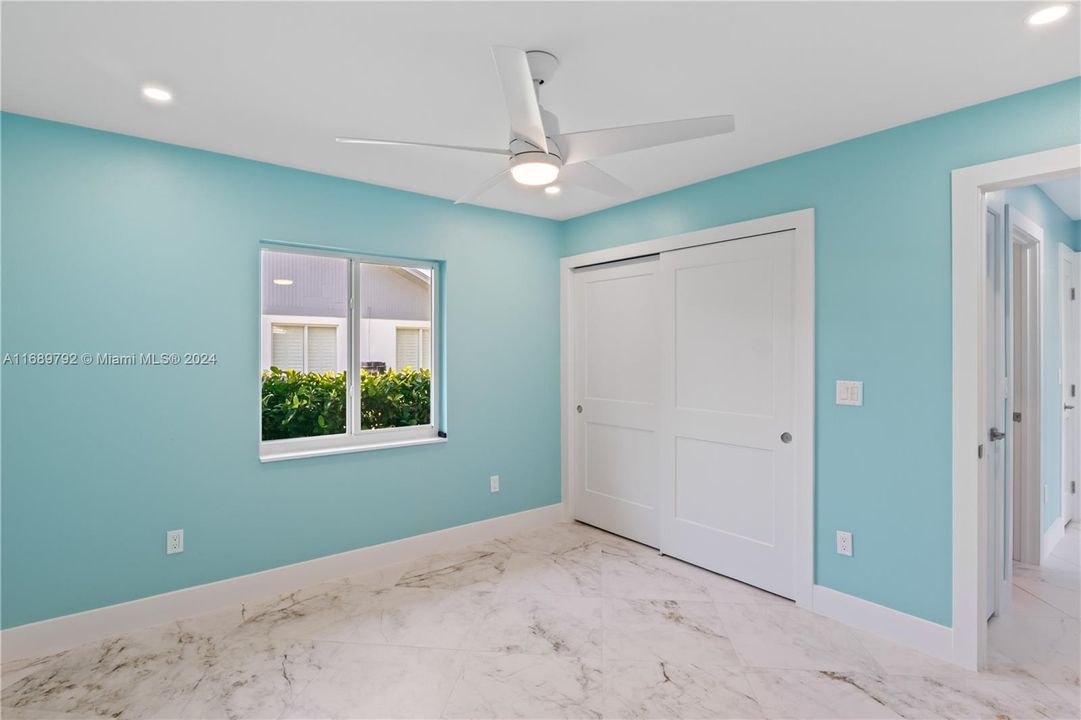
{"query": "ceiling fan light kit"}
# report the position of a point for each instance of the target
(534, 168)
(539, 154)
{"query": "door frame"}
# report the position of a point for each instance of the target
(802, 223)
(1026, 234)
(969, 326)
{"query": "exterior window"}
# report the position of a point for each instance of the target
(414, 348)
(347, 348)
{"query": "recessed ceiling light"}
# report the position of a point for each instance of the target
(282, 281)
(1048, 15)
(552, 189)
(157, 94)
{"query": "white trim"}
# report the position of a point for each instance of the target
(923, 635)
(57, 634)
(1050, 539)
(802, 223)
(969, 500)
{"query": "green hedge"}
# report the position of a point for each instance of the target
(297, 404)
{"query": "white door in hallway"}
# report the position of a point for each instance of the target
(726, 439)
(1071, 386)
(614, 454)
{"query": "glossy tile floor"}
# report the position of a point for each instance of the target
(565, 621)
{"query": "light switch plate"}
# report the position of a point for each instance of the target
(850, 392)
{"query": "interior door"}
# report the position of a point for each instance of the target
(727, 460)
(995, 456)
(615, 375)
(1071, 368)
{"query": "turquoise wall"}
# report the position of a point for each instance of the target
(1058, 231)
(882, 305)
(114, 244)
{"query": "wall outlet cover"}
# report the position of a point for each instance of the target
(494, 482)
(174, 542)
(844, 543)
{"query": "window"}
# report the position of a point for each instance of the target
(413, 348)
(346, 359)
(307, 348)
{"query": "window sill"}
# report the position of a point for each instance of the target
(273, 454)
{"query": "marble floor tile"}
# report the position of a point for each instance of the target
(895, 659)
(575, 572)
(657, 689)
(776, 635)
(474, 569)
(648, 576)
(560, 621)
(497, 685)
(379, 681)
(540, 625)
(555, 539)
(149, 673)
(1058, 588)
(1043, 648)
(256, 679)
(815, 695)
(962, 696)
(419, 617)
(1071, 694)
(666, 630)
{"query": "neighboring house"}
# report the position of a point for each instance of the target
(305, 305)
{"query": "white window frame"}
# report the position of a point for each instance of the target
(355, 439)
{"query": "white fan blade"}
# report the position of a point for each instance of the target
(367, 141)
(592, 144)
(520, 96)
(482, 188)
(592, 177)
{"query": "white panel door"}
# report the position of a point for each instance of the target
(727, 478)
(615, 421)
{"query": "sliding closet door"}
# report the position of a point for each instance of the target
(726, 445)
(614, 454)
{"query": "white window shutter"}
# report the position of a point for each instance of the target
(426, 349)
(408, 348)
(322, 349)
(287, 347)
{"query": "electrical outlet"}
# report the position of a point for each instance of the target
(844, 543)
(494, 482)
(174, 542)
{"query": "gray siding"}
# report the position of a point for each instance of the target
(390, 293)
(321, 287)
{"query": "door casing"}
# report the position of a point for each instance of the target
(802, 223)
(969, 186)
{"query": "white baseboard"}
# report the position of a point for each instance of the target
(56, 634)
(908, 630)
(1051, 538)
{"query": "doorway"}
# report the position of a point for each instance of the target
(688, 397)
(978, 499)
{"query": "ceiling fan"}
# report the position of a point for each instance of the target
(539, 155)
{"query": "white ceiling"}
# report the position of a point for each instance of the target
(277, 81)
(1066, 193)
